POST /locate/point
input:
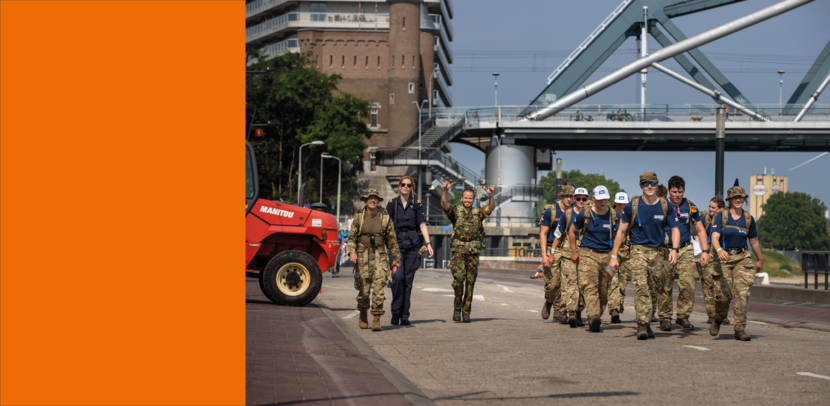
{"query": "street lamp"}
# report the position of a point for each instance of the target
(781, 89)
(496, 77)
(300, 169)
(325, 155)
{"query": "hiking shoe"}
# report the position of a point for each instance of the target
(665, 325)
(405, 321)
(595, 322)
(394, 319)
(684, 324)
(742, 336)
(465, 318)
(642, 333)
(615, 317)
(546, 310)
(649, 331)
(456, 315)
(579, 322)
(714, 328)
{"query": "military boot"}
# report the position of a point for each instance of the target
(395, 320)
(710, 320)
(649, 331)
(572, 319)
(595, 323)
(465, 318)
(725, 321)
(654, 318)
(615, 317)
(376, 323)
(364, 322)
(555, 314)
(456, 315)
(665, 325)
(642, 331)
(563, 317)
(579, 322)
(684, 324)
(546, 310)
(742, 336)
(714, 328)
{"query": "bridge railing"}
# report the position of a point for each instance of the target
(635, 112)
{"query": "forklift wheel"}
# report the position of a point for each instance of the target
(292, 278)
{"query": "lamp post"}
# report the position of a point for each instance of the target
(300, 168)
(496, 77)
(325, 155)
(781, 89)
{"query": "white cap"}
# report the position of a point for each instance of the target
(581, 191)
(621, 197)
(601, 193)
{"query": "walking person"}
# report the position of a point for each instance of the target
(715, 206)
(619, 279)
(467, 223)
(645, 219)
(371, 240)
(734, 272)
(411, 228)
(572, 301)
(687, 220)
(551, 263)
(596, 225)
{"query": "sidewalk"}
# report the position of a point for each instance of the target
(307, 355)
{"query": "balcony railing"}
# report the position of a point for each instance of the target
(280, 47)
(336, 20)
(445, 65)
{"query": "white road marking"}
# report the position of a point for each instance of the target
(504, 304)
(534, 311)
(352, 314)
(756, 322)
(812, 375)
(479, 297)
(697, 348)
(505, 288)
(437, 290)
(449, 295)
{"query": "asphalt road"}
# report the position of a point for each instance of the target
(509, 355)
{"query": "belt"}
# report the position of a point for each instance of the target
(598, 252)
(734, 251)
(405, 229)
(643, 247)
(679, 246)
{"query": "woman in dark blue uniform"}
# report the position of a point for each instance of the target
(410, 225)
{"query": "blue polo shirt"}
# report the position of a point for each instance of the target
(680, 215)
(647, 228)
(597, 235)
(547, 221)
(564, 228)
(731, 237)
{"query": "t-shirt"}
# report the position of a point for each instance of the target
(731, 237)
(647, 228)
(684, 212)
(547, 221)
(598, 233)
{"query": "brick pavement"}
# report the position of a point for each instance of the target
(297, 355)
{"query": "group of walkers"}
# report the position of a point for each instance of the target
(590, 251)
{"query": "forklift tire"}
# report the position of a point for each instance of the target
(291, 278)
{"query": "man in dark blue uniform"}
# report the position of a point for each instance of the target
(410, 224)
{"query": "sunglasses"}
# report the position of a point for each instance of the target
(647, 184)
(581, 199)
(406, 185)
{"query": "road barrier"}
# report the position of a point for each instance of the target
(816, 263)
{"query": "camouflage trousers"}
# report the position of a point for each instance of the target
(686, 270)
(646, 271)
(708, 284)
(732, 279)
(370, 278)
(594, 280)
(464, 269)
(619, 280)
(572, 299)
(553, 281)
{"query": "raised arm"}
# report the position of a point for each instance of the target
(492, 204)
(444, 203)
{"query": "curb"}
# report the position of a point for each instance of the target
(401, 382)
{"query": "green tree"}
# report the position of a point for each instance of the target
(588, 181)
(303, 105)
(793, 220)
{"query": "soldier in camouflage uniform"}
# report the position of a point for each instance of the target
(734, 272)
(706, 272)
(645, 216)
(572, 300)
(551, 260)
(371, 238)
(466, 244)
(619, 279)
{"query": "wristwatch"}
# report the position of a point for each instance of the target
(676, 249)
(428, 243)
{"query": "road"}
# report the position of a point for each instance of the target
(509, 355)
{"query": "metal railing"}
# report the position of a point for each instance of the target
(317, 19)
(403, 155)
(449, 132)
(259, 4)
(426, 123)
(516, 252)
(689, 113)
(816, 263)
(280, 47)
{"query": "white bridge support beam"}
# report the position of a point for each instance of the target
(712, 93)
(813, 99)
(665, 53)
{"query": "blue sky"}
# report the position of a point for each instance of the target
(552, 29)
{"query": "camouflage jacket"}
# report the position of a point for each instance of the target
(467, 228)
(388, 234)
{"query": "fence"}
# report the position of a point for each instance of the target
(815, 262)
(521, 252)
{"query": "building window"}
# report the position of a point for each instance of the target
(318, 11)
(411, 88)
(373, 117)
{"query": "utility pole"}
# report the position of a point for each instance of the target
(720, 141)
(780, 90)
(496, 77)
